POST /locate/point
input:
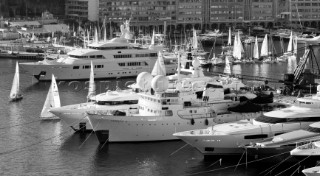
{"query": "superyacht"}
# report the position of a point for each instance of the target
(163, 110)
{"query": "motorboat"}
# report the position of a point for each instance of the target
(312, 171)
(230, 138)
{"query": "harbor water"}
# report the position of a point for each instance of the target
(30, 146)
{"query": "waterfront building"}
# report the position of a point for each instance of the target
(305, 13)
(30, 8)
(144, 15)
(82, 10)
(226, 13)
(182, 15)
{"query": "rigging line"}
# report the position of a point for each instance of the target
(295, 171)
(293, 165)
(33, 144)
(275, 166)
(104, 144)
(19, 124)
(214, 163)
(239, 164)
(239, 161)
(27, 146)
(86, 139)
(178, 150)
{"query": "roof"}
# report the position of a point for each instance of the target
(56, 27)
(24, 23)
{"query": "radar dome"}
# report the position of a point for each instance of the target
(196, 63)
(160, 83)
(144, 81)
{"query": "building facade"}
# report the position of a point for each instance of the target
(209, 14)
(305, 13)
(31, 8)
(82, 10)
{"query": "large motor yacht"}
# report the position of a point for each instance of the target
(163, 110)
(230, 138)
(111, 59)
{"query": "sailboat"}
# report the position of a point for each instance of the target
(267, 50)
(52, 101)
(15, 89)
(237, 49)
(291, 50)
(92, 85)
(256, 50)
(159, 67)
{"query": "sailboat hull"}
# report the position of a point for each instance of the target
(18, 98)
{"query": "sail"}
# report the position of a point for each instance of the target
(159, 67)
(92, 85)
(52, 100)
(15, 89)
(152, 40)
(104, 30)
(240, 44)
(227, 68)
(256, 49)
(295, 45)
(234, 53)
(237, 48)
(289, 49)
(264, 46)
(194, 39)
(96, 37)
(229, 37)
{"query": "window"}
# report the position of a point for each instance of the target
(76, 67)
(256, 136)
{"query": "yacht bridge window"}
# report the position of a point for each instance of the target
(85, 57)
(109, 48)
(123, 56)
(266, 119)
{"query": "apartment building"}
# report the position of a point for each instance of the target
(82, 10)
(305, 12)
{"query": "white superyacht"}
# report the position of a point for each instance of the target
(111, 59)
(230, 138)
(163, 111)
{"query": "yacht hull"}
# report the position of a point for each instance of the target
(43, 72)
(110, 128)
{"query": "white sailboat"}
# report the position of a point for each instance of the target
(229, 37)
(264, 47)
(237, 49)
(194, 40)
(227, 68)
(256, 50)
(15, 89)
(159, 67)
(92, 85)
(52, 101)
